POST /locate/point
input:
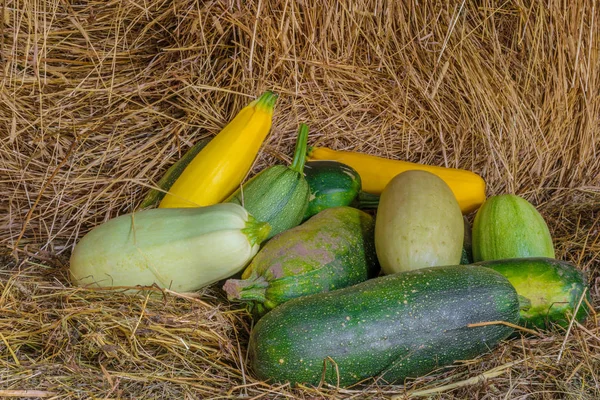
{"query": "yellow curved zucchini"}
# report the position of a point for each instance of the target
(221, 166)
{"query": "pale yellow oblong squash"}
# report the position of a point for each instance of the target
(182, 249)
(221, 166)
(418, 224)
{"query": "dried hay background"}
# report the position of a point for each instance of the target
(98, 98)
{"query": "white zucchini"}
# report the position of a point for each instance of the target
(176, 248)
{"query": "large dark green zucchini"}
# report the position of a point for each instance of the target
(397, 326)
(332, 250)
(279, 194)
(553, 287)
(332, 184)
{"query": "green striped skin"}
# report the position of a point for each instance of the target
(397, 326)
(553, 287)
(332, 184)
(332, 250)
(508, 226)
(279, 194)
(154, 196)
(276, 195)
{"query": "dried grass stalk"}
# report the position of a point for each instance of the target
(98, 98)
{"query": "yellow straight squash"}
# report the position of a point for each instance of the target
(221, 166)
(376, 172)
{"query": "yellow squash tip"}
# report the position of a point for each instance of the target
(266, 101)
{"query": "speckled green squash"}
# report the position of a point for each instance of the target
(394, 327)
(508, 226)
(332, 184)
(553, 287)
(279, 194)
(332, 250)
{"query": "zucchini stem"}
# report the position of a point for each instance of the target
(300, 152)
(524, 303)
(256, 231)
(367, 201)
(266, 101)
(251, 289)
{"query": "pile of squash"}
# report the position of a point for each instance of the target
(354, 266)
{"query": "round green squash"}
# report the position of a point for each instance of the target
(332, 184)
(553, 289)
(419, 223)
(508, 226)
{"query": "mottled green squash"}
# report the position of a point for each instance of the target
(332, 250)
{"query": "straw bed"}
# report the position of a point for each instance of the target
(99, 98)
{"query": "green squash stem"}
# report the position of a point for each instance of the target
(524, 303)
(266, 100)
(367, 201)
(300, 152)
(256, 231)
(252, 289)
